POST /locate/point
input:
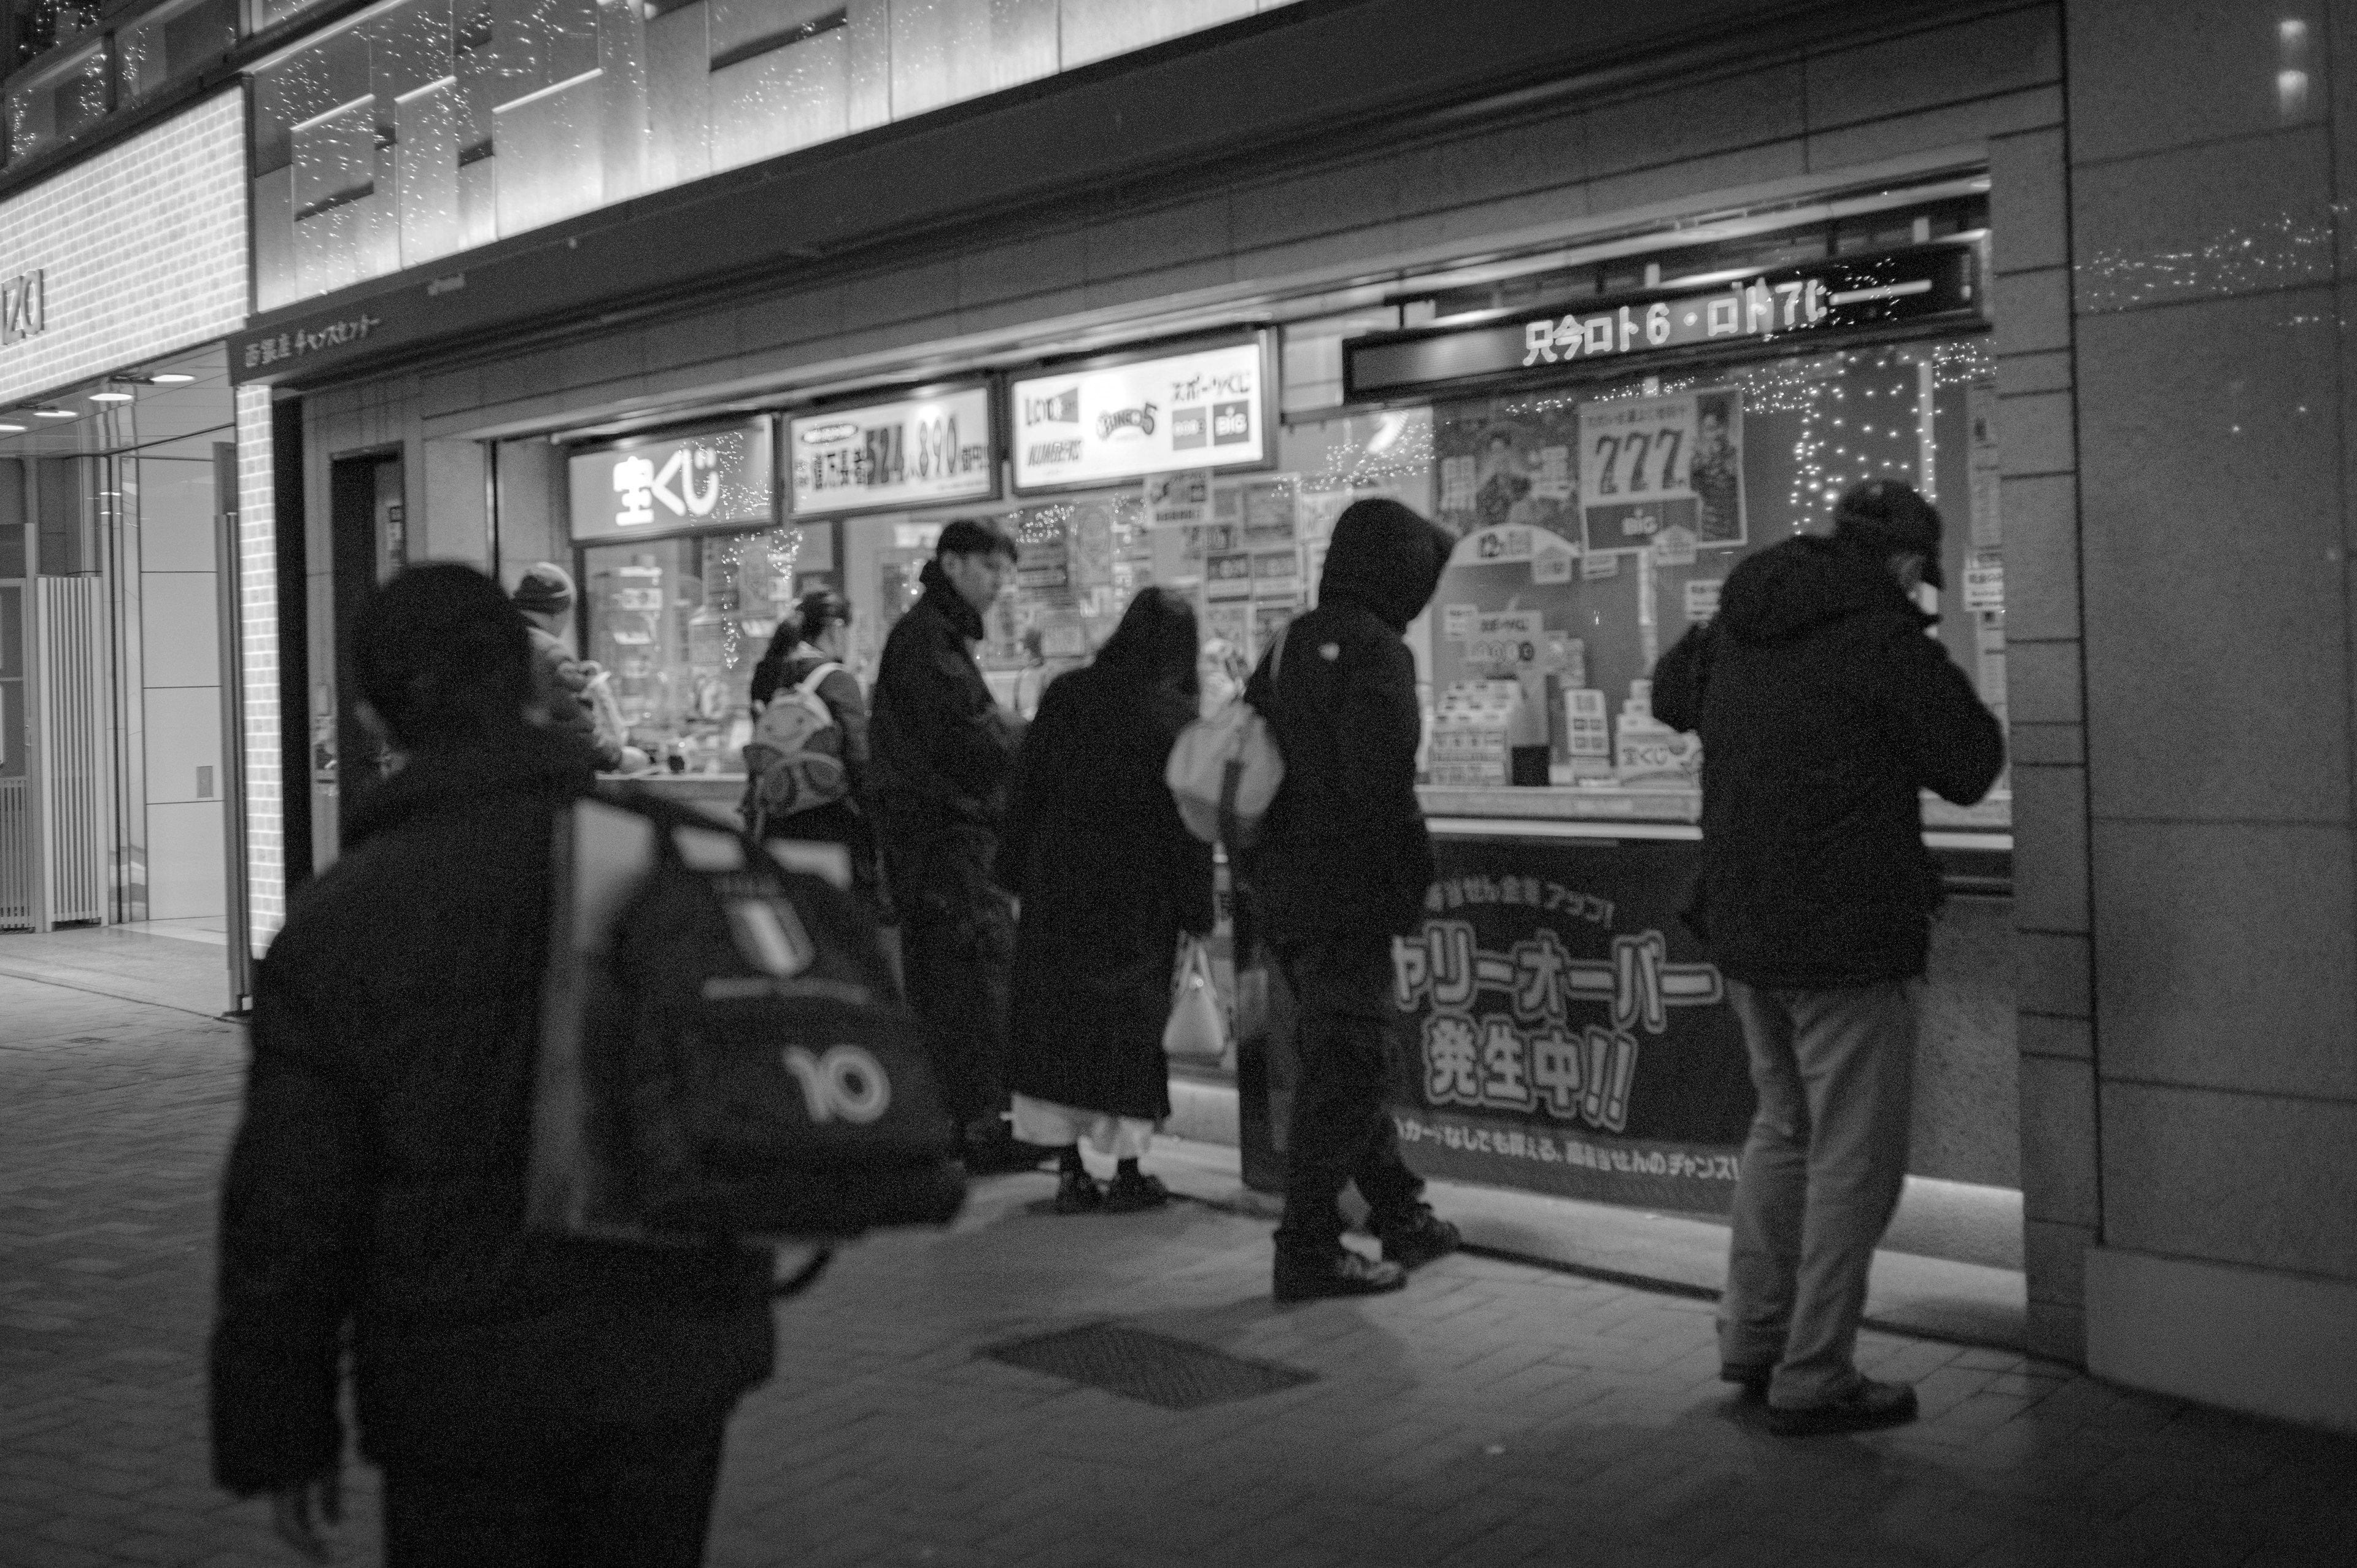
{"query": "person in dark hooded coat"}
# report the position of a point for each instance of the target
(1109, 876)
(530, 1398)
(1342, 866)
(1825, 711)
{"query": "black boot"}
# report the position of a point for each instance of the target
(1416, 1238)
(1344, 1272)
(1133, 1190)
(1076, 1191)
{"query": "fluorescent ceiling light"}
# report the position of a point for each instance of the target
(6, 429)
(110, 397)
(54, 413)
(170, 378)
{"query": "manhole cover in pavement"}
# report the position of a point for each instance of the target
(1175, 1374)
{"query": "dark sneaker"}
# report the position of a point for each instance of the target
(1418, 1239)
(1344, 1274)
(1131, 1191)
(1754, 1380)
(1077, 1193)
(996, 1157)
(1867, 1405)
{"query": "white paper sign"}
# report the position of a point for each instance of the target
(1985, 581)
(1123, 422)
(916, 452)
(1702, 600)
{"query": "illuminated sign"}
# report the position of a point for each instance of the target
(642, 487)
(1124, 419)
(1927, 283)
(932, 449)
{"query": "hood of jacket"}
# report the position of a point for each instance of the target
(943, 595)
(1385, 557)
(1790, 589)
(528, 761)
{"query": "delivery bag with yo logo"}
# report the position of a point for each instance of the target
(723, 1051)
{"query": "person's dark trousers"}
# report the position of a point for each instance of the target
(609, 1497)
(1339, 1131)
(958, 963)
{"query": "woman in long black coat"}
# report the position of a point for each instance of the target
(1109, 876)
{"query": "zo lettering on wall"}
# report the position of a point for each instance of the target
(24, 306)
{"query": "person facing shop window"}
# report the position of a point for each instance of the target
(940, 750)
(1108, 877)
(808, 657)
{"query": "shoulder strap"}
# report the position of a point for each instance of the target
(1276, 653)
(810, 682)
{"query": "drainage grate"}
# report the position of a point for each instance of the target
(1175, 1374)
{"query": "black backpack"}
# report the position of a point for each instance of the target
(724, 1053)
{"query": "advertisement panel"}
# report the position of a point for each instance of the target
(1563, 1031)
(926, 449)
(1652, 465)
(645, 488)
(1624, 334)
(1126, 418)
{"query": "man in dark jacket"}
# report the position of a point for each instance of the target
(1825, 711)
(941, 749)
(530, 1399)
(1343, 868)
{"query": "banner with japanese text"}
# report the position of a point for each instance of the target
(1563, 1032)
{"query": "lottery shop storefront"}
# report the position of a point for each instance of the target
(1608, 443)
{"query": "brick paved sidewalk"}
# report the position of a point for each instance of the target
(1493, 1413)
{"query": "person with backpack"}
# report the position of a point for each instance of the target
(941, 749)
(1109, 877)
(806, 765)
(1341, 867)
(529, 1397)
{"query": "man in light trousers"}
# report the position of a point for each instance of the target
(1825, 711)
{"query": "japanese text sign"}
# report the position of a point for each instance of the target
(1567, 1034)
(1924, 283)
(719, 479)
(1206, 409)
(920, 451)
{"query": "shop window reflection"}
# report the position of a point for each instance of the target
(421, 131)
(58, 102)
(42, 25)
(171, 42)
(675, 627)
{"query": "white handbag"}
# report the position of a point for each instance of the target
(1195, 1032)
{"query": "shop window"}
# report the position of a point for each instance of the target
(675, 625)
(415, 133)
(1550, 617)
(171, 42)
(58, 102)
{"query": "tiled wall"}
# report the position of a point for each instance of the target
(257, 590)
(142, 250)
(2213, 150)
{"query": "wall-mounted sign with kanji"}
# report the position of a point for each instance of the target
(674, 484)
(1564, 1032)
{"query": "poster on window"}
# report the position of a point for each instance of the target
(1652, 464)
(1564, 1031)
(1508, 462)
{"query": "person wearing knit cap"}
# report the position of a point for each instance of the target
(544, 594)
(1824, 713)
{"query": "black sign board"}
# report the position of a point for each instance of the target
(1787, 306)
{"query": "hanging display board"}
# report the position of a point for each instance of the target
(1565, 1033)
(1922, 285)
(1124, 417)
(927, 450)
(650, 486)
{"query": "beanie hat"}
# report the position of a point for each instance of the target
(1890, 517)
(545, 589)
